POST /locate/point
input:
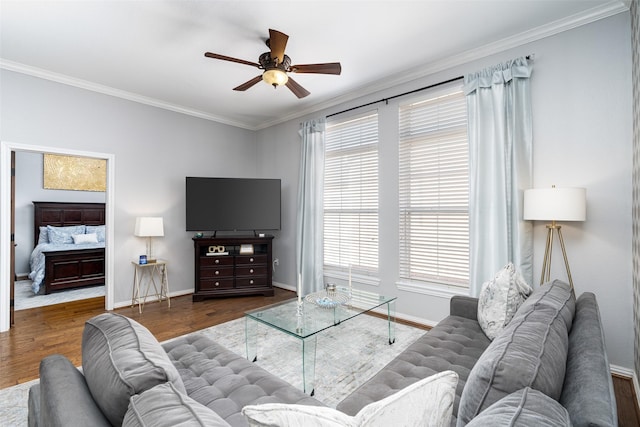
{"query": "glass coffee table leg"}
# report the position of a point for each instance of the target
(308, 364)
(391, 316)
(251, 338)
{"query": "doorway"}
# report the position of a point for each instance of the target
(6, 148)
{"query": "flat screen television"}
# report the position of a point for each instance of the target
(232, 204)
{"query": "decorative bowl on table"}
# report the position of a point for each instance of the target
(324, 299)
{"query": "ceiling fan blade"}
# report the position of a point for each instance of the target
(328, 68)
(277, 44)
(297, 90)
(228, 58)
(247, 85)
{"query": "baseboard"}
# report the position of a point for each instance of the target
(630, 375)
(153, 298)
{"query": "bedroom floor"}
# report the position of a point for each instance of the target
(24, 297)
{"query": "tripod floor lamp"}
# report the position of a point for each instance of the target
(555, 204)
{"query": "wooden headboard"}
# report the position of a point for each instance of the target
(62, 214)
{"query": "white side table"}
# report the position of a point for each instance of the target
(144, 277)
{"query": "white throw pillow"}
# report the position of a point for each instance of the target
(499, 300)
(79, 239)
(428, 402)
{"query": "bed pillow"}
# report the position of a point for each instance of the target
(428, 402)
(121, 358)
(64, 235)
(43, 237)
(499, 300)
(79, 239)
(98, 229)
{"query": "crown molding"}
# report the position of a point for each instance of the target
(108, 90)
(547, 30)
(368, 88)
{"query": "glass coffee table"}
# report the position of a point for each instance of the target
(320, 311)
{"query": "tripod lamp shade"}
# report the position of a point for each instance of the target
(555, 204)
(149, 227)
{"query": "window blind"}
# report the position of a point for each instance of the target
(434, 189)
(351, 194)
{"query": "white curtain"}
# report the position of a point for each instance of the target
(500, 144)
(309, 242)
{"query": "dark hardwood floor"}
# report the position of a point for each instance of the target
(43, 331)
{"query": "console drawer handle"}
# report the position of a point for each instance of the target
(251, 271)
(217, 261)
(250, 259)
(217, 272)
(251, 282)
(217, 283)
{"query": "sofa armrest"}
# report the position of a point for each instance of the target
(65, 399)
(588, 391)
(464, 306)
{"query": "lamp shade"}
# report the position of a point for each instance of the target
(555, 204)
(149, 227)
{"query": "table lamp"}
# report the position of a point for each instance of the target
(555, 204)
(149, 227)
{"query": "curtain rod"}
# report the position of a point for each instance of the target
(386, 100)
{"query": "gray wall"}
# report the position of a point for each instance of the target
(581, 90)
(154, 150)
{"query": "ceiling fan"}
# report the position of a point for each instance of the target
(276, 65)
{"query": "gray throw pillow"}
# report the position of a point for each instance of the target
(530, 352)
(524, 408)
(164, 406)
(120, 358)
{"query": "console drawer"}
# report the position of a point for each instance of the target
(211, 284)
(256, 270)
(216, 272)
(246, 282)
(207, 261)
(251, 259)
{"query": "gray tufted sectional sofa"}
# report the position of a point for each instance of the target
(548, 367)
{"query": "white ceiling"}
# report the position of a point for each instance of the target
(153, 51)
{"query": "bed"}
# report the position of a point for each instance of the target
(69, 246)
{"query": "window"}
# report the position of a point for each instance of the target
(351, 195)
(434, 189)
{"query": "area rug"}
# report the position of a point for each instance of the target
(24, 298)
(347, 356)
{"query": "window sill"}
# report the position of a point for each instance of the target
(439, 290)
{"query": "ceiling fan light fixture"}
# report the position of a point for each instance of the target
(275, 77)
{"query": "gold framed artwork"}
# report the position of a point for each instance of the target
(74, 173)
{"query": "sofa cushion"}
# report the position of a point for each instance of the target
(428, 402)
(500, 298)
(165, 406)
(531, 352)
(524, 408)
(454, 344)
(121, 358)
(225, 382)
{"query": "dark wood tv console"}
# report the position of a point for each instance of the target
(233, 272)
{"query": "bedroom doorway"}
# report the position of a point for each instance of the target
(6, 214)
